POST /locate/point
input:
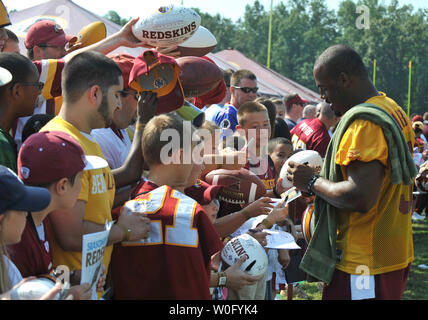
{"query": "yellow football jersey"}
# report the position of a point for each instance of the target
(380, 239)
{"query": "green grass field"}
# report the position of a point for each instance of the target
(417, 284)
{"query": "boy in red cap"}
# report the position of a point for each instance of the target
(55, 161)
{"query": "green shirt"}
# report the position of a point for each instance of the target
(8, 152)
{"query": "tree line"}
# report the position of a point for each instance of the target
(303, 29)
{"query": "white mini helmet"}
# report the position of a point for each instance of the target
(245, 245)
(33, 289)
(309, 157)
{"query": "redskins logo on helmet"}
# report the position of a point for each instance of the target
(422, 178)
(307, 223)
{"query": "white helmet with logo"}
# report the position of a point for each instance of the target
(308, 157)
(245, 245)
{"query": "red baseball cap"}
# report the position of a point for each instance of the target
(203, 192)
(125, 62)
(296, 100)
(153, 71)
(418, 118)
(52, 155)
(47, 32)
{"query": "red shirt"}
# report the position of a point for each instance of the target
(50, 72)
(174, 263)
(32, 256)
(266, 174)
(311, 134)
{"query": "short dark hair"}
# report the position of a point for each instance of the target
(30, 54)
(34, 124)
(271, 108)
(19, 66)
(281, 129)
(341, 58)
(237, 77)
(286, 100)
(276, 141)
(11, 35)
(227, 75)
(85, 70)
(47, 185)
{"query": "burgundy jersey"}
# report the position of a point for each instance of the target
(265, 171)
(50, 72)
(32, 256)
(311, 134)
(174, 262)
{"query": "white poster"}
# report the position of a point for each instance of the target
(94, 245)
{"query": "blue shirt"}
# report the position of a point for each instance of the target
(227, 119)
(290, 123)
(212, 111)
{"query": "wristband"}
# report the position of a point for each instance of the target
(222, 279)
(311, 184)
(267, 224)
(126, 232)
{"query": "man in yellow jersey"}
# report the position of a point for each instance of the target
(91, 85)
(373, 248)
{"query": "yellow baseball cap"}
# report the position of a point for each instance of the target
(88, 35)
(4, 16)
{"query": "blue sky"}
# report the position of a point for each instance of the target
(232, 9)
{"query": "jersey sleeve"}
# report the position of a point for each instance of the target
(86, 182)
(209, 239)
(363, 141)
(50, 72)
(320, 144)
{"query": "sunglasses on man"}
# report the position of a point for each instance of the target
(247, 89)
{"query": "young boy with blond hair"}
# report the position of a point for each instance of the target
(174, 262)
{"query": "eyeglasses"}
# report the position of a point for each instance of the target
(124, 94)
(247, 89)
(39, 85)
(42, 45)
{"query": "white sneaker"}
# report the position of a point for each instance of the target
(423, 266)
(417, 216)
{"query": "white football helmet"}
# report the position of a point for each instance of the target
(309, 157)
(245, 245)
